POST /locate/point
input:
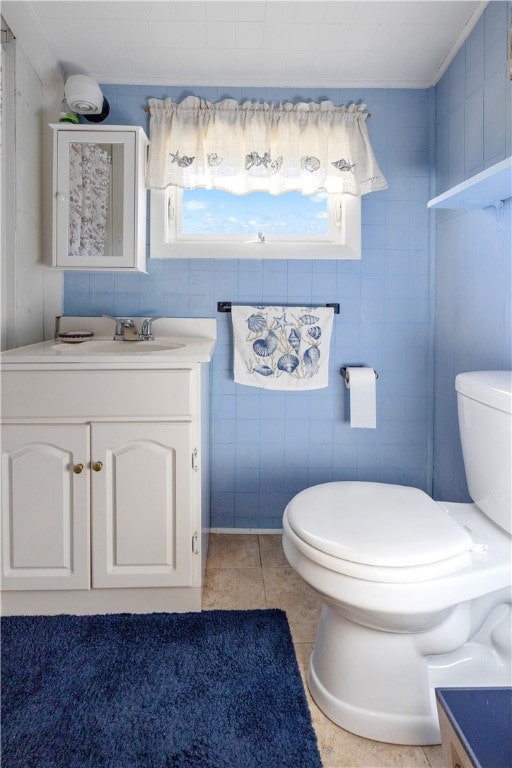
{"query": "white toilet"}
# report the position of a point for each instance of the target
(417, 593)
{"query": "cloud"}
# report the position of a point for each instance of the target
(319, 197)
(195, 205)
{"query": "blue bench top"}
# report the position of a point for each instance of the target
(482, 719)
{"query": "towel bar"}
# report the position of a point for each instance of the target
(225, 306)
(344, 371)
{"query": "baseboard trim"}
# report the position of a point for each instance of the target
(247, 530)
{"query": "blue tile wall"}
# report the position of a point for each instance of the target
(267, 446)
(473, 254)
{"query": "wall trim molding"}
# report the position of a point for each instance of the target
(257, 531)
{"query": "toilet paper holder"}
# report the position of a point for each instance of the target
(345, 372)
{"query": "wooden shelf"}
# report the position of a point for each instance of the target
(490, 187)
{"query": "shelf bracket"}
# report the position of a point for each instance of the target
(498, 206)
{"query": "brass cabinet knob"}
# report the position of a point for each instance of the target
(78, 469)
(97, 466)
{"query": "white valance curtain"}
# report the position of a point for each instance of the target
(256, 146)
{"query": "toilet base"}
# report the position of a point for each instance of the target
(379, 726)
(381, 684)
(371, 682)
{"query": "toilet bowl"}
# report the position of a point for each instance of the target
(416, 593)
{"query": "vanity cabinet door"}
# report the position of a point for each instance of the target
(143, 488)
(45, 507)
(99, 198)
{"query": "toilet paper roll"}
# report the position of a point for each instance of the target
(363, 412)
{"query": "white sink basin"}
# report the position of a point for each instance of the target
(105, 347)
(179, 341)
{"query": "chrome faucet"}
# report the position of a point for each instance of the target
(121, 324)
(146, 333)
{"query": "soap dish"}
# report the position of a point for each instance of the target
(75, 337)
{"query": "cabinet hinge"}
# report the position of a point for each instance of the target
(195, 460)
(195, 543)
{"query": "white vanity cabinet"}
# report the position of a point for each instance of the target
(105, 501)
(99, 197)
(141, 502)
(45, 506)
(127, 485)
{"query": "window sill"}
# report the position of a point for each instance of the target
(246, 251)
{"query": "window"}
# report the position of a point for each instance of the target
(258, 146)
(201, 223)
(276, 150)
(216, 213)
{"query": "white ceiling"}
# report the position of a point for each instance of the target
(269, 43)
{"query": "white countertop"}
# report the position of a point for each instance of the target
(196, 335)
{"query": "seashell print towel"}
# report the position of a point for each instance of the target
(284, 348)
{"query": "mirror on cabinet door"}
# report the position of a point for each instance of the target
(99, 198)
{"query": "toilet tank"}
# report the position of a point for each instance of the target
(484, 402)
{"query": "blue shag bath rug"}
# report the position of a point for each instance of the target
(218, 689)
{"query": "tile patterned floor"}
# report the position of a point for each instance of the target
(250, 571)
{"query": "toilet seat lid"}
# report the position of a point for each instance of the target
(408, 528)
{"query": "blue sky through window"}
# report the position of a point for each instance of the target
(218, 212)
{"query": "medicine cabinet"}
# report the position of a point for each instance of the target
(99, 197)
